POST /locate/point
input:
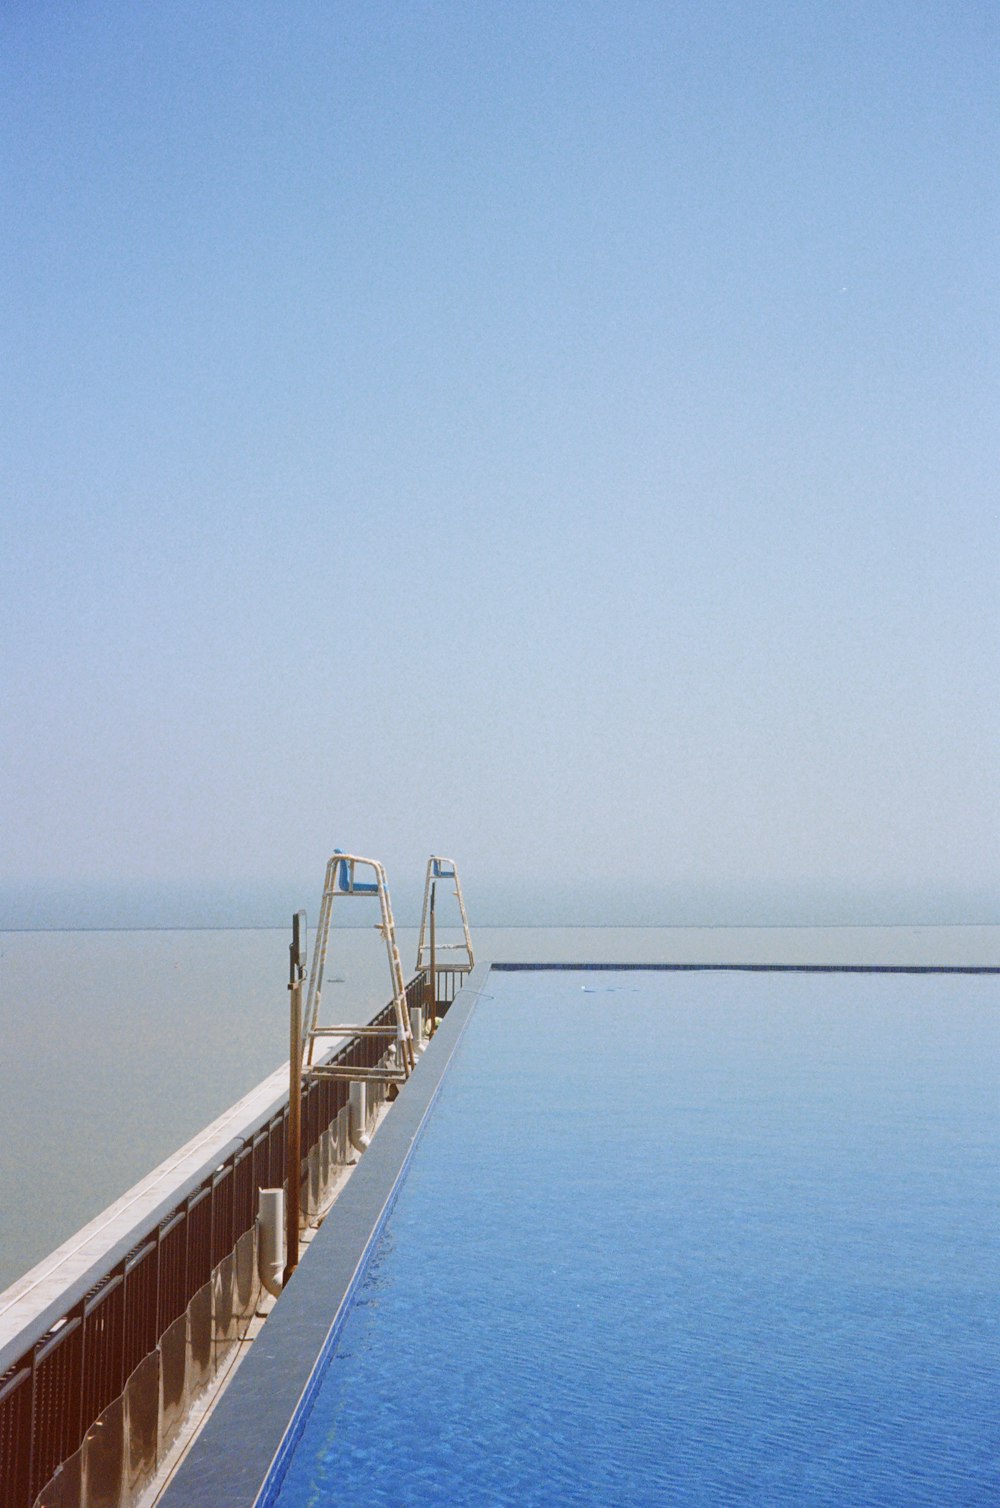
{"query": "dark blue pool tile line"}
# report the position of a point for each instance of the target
(753, 968)
(239, 1459)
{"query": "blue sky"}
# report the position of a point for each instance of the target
(563, 436)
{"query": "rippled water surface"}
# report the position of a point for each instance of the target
(685, 1239)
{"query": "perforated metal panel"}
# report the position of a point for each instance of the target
(15, 1433)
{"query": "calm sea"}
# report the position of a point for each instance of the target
(119, 1046)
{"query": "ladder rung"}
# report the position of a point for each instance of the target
(387, 1075)
(353, 1031)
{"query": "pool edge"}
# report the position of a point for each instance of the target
(240, 1457)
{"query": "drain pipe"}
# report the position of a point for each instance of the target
(271, 1238)
(358, 1132)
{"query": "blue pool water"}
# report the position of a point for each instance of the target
(686, 1239)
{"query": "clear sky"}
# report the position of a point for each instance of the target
(559, 435)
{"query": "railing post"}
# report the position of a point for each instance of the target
(296, 974)
(434, 975)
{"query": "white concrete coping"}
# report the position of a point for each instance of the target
(124, 1223)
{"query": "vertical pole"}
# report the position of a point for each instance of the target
(434, 972)
(425, 924)
(296, 974)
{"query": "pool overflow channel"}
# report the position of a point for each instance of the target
(114, 1348)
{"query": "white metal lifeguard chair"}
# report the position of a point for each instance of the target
(428, 947)
(342, 880)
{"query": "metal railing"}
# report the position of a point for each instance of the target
(92, 1400)
(449, 982)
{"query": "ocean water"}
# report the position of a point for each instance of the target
(119, 1046)
(685, 1239)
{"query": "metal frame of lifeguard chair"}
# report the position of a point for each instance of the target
(305, 1029)
(341, 880)
(428, 947)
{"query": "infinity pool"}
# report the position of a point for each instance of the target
(685, 1238)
